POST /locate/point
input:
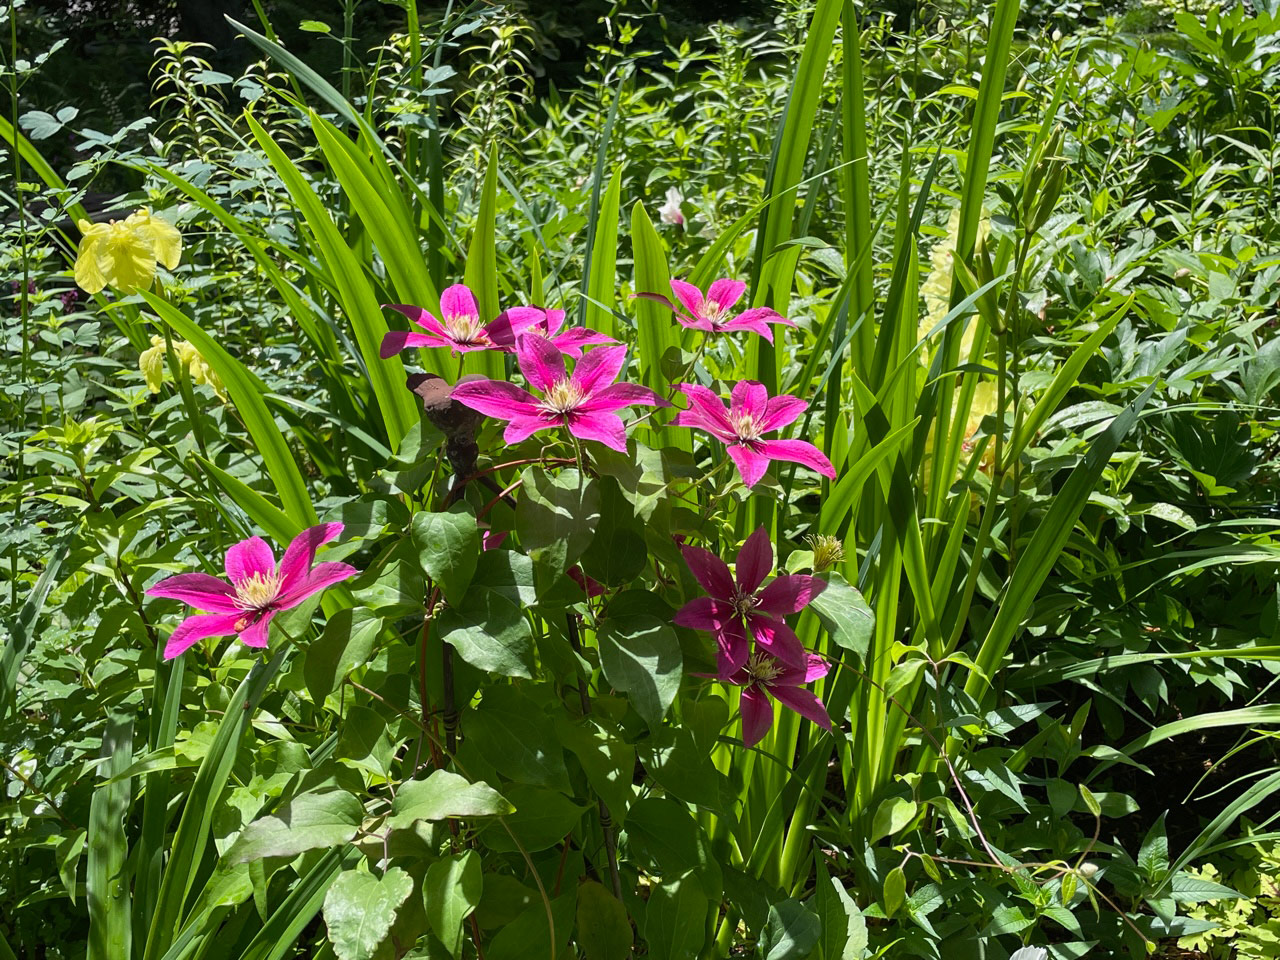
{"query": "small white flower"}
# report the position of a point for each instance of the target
(1030, 953)
(669, 212)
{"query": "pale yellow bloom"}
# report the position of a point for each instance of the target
(985, 398)
(124, 254)
(152, 364)
(936, 288)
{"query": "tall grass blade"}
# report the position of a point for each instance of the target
(106, 884)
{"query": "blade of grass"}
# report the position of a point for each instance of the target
(23, 630)
(482, 268)
(106, 885)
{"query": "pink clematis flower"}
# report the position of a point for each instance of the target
(257, 592)
(763, 677)
(751, 412)
(712, 312)
(460, 328)
(734, 606)
(584, 403)
(545, 323)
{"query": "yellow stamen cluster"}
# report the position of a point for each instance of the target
(763, 668)
(465, 329)
(257, 591)
(563, 396)
(827, 551)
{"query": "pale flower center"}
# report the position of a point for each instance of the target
(563, 396)
(465, 329)
(763, 668)
(712, 311)
(745, 426)
(257, 591)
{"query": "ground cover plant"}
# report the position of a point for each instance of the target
(804, 489)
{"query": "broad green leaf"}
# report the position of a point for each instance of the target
(542, 819)
(529, 935)
(556, 517)
(675, 918)
(791, 932)
(451, 891)
(443, 795)
(490, 632)
(517, 738)
(844, 929)
(448, 544)
(895, 891)
(892, 815)
(845, 614)
(617, 553)
(604, 932)
(669, 841)
(641, 657)
(310, 821)
(606, 757)
(360, 908)
(346, 643)
(364, 743)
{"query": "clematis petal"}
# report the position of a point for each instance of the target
(249, 557)
(540, 362)
(323, 575)
(755, 560)
(804, 702)
(798, 451)
(751, 465)
(763, 315)
(301, 553)
(757, 715)
(707, 407)
(256, 634)
(459, 301)
(705, 613)
(574, 339)
(749, 397)
(789, 594)
(599, 368)
(691, 323)
(607, 428)
(619, 395)
(553, 322)
(590, 586)
(778, 639)
(422, 318)
(199, 627)
(397, 341)
(496, 398)
(816, 668)
(689, 295)
(521, 428)
(512, 322)
(781, 411)
(710, 571)
(751, 326)
(726, 292)
(198, 590)
(656, 298)
(732, 649)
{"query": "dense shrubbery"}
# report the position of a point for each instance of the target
(972, 340)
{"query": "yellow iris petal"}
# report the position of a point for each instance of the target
(151, 363)
(163, 236)
(88, 276)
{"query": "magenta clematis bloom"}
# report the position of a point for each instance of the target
(734, 606)
(545, 323)
(257, 592)
(762, 677)
(751, 412)
(712, 312)
(585, 403)
(460, 328)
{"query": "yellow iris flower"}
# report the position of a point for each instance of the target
(152, 364)
(124, 254)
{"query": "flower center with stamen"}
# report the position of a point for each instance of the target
(563, 396)
(745, 425)
(257, 591)
(465, 329)
(763, 668)
(744, 603)
(712, 311)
